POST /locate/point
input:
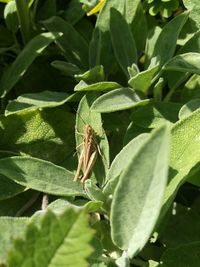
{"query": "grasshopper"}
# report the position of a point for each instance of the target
(88, 154)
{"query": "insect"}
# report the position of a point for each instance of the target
(88, 154)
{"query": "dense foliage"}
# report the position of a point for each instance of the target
(114, 88)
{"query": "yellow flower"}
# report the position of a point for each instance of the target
(97, 8)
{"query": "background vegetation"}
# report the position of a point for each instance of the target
(130, 70)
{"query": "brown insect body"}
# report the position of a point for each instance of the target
(88, 154)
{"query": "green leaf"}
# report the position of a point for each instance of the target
(121, 162)
(75, 50)
(118, 99)
(38, 133)
(188, 108)
(100, 46)
(184, 155)
(155, 114)
(40, 175)
(85, 116)
(9, 188)
(93, 75)
(188, 62)
(100, 86)
(194, 7)
(33, 49)
(152, 38)
(122, 41)
(137, 19)
(66, 68)
(191, 89)
(10, 15)
(25, 20)
(166, 43)
(12, 228)
(182, 256)
(45, 99)
(192, 45)
(179, 225)
(62, 240)
(141, 185)
(142, 80)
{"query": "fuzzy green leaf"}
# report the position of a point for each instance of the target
(166, 42)
(44, 99)
(61, 240)
(12, 228)
(40, 175)
(142, 80)
(138, 197)
(38, 133)
(184, 155)
(189, 62)
(118, 99)
(188, 108)
(100, 86)
(117, 168)
(122, 41)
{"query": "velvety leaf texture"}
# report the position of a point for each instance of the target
(59, 241)
(40, 175)
(138, 197)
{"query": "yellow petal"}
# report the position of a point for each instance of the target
(97, 8)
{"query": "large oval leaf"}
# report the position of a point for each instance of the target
(138, 197)
(40, 175)
(189, 62)
(121, 162)
(45, 99)
(119, 99)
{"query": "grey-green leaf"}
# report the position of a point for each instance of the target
(189, 62)
(142, 80)
(61, 240)
(188, 108)
(121, 161)
(118, 99)
(33, 49)
(166, 42)
(12, 228)
(138, 197)
(45, 99)
(40, 175)
(122, 41)
(184, 155)
(100, 86)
